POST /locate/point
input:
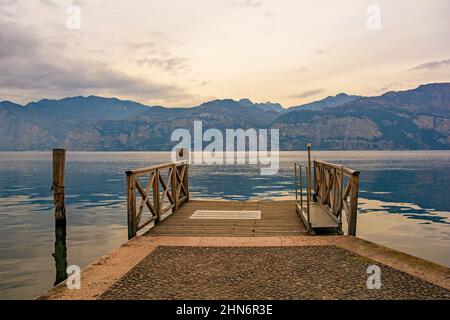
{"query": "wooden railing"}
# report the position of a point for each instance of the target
(336, 189)
(161, 189)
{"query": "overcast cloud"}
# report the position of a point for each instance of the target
(181, 53)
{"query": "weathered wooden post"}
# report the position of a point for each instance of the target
(353, 204)
(186, 181)
(60, 254)
(59, 159)
(131, 204)
(173, 182)
(156, 203)
(340, 196)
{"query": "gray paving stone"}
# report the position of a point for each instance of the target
(306, 272)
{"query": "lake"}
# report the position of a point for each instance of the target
(404, 204)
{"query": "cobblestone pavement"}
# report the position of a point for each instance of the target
(306, 272)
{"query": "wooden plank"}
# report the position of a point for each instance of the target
(180, 181)
(166, 191)
(151, 219)
(328, 164)
(154, 168)
(144, 200)
(277, 218)
(320, 217)
(186, 181)
(226, 214)
(165, 209)
(173, 184)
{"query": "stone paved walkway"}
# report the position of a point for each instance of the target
(303, 272)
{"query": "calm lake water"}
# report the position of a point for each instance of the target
(404, 204)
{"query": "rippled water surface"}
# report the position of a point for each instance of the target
(404, 204)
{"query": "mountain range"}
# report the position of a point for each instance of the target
(412, 119)
(328, 102)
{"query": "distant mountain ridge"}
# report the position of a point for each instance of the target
(411, 119)
(268, 106)
(328, 102)
(87, 108)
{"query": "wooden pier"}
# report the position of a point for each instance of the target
(182, 248)
(154, 193)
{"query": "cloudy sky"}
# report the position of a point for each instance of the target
(183, 52)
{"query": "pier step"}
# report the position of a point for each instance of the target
(319, 217)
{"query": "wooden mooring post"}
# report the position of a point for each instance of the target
(59, 159)
(60, 254)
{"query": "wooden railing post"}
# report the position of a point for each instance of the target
(353, 204)
(174, 187)
(131, 204)
(341, 192)
(156, 195)
(323, 179)
(186, 181)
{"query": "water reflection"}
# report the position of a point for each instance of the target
(403, 201)
(60, 254)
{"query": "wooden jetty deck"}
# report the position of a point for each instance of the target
(278, 218)
(273, 252)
